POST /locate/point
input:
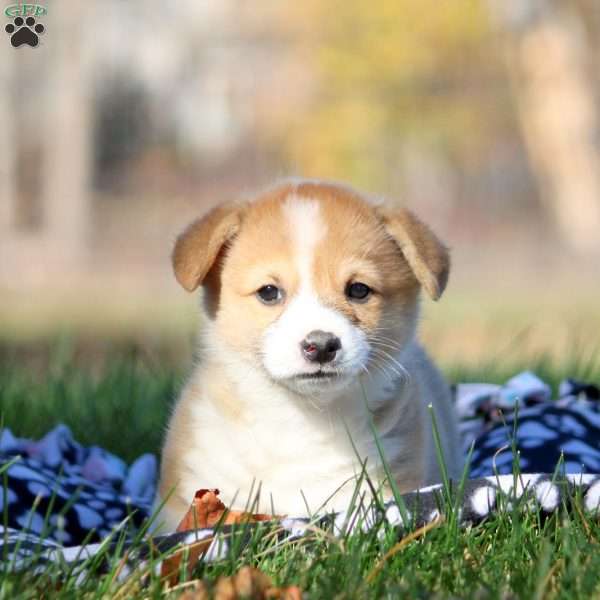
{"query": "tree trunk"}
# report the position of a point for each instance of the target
(8, 151)
(546, 54)
(68, 136)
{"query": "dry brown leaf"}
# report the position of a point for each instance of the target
(253, 584)
(198, 592)
(206, 510)
(293, 592)
(248, 583)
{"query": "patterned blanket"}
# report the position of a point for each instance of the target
(59, 495)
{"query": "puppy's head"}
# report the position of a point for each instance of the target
(312, 283)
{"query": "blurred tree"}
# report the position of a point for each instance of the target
(8, 197)
(390, 75)
(68, 141)
(547, 51)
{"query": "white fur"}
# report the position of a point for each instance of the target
(296, 443)
(307, 229)
(291, 446)
(281, 344)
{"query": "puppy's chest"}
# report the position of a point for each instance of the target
(265, 441)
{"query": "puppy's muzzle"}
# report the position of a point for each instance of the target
(320, 346)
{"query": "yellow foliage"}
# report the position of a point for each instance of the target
(388, 72)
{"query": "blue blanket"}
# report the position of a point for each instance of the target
(65, 493)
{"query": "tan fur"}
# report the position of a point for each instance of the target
(232, 417)
(427, 256)
(198, 246)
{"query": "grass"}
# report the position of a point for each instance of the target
(513, 554)
(90, 397)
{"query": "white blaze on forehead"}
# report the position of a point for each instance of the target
(305, 311)
(307, 229)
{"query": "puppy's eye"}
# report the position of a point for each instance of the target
(358, 292)
(270, 294)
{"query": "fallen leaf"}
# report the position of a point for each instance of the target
(198, 592)
(253, 584)
(206, 511)
(248, 584)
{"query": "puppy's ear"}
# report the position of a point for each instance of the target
(197, 248)
(427, 256)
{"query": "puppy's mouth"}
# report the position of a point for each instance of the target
(316, 375)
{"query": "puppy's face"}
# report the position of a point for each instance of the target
(311, 283)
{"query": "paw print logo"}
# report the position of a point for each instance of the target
(24, 32)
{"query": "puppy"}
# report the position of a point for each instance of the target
(311, 299)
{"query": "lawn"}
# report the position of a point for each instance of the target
(99, 394)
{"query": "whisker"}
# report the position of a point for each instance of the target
(384, 344)
(402, 369)
(392, 367)
(383, 337)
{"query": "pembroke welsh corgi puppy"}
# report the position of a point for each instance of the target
(311, 300)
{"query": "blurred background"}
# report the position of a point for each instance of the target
(133, 117)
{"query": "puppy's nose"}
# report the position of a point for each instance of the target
(320, 346)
